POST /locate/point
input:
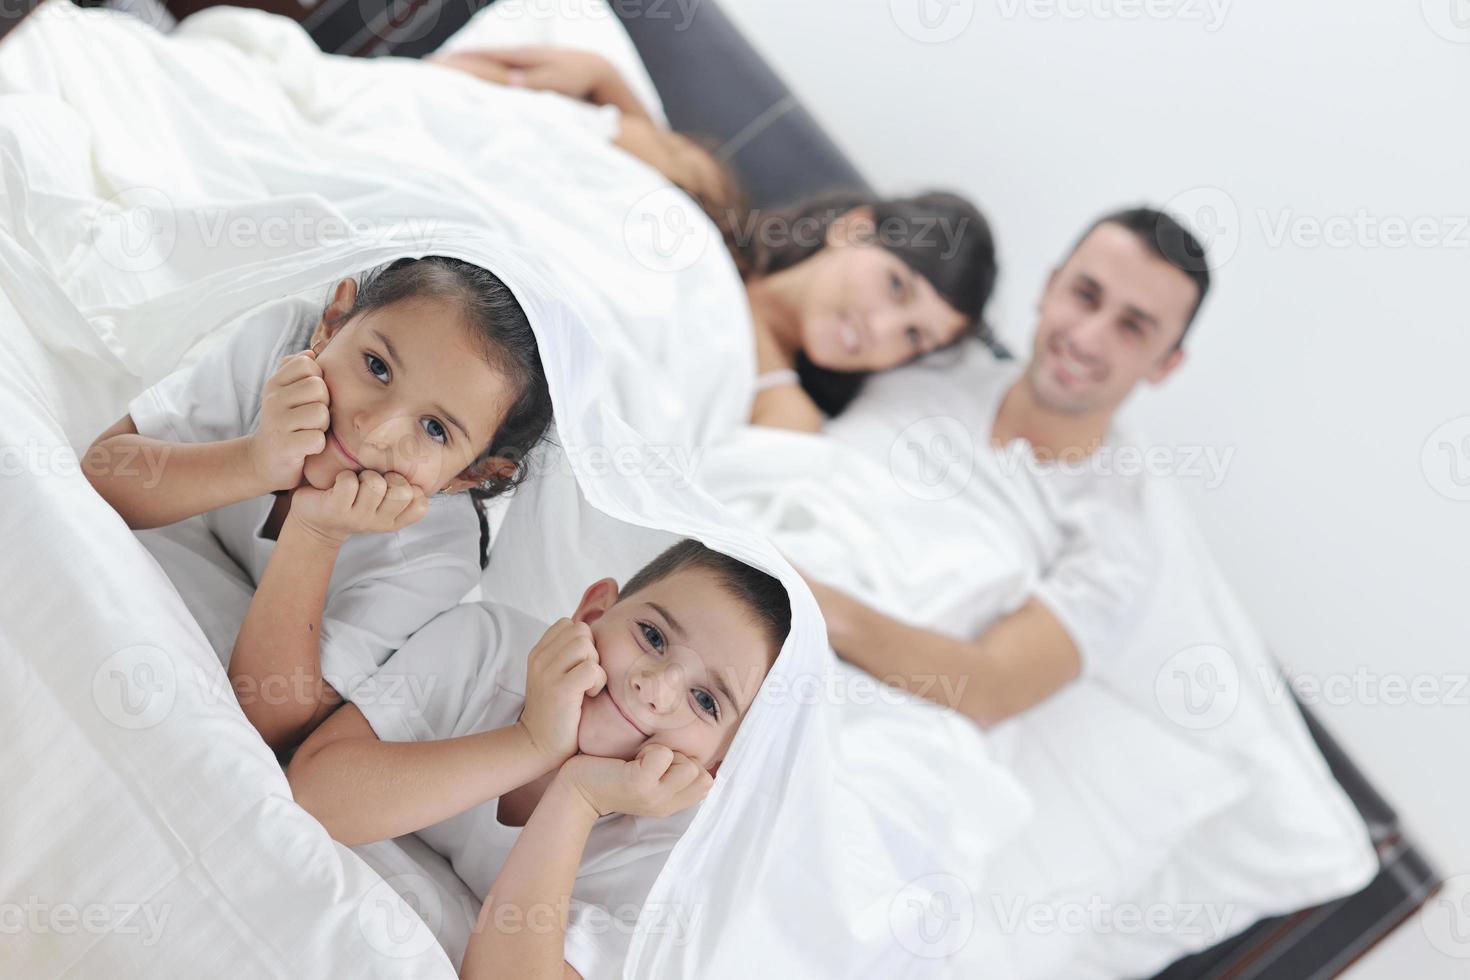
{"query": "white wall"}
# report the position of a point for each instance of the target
(1325, 367)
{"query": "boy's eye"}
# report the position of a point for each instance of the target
(653, 636)
(895, 283)
(436, 430)
(706, 702)
(377, 367)
(1133, 326)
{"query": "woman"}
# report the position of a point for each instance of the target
(839, 287)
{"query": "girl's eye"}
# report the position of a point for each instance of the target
(706, 702)
(377, 367)
(916, 339)
(1132, 326)
(653, 636)
(436, 430)
(896, 285)
(1086, 296)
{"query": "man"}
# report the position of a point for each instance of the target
(1113, 315)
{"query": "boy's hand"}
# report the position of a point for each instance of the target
(358, 503)
(657, 783)
(293, 422)
(562, 669)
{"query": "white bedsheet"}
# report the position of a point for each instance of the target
(153, 189)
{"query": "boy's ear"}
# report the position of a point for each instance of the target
(855, 225)
(343, 296)
(598, 599)
(495, 467)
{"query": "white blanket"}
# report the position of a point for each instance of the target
(155, 190)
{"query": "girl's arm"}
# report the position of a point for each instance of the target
(535, 883)
(363, 789)
(276, 666)
(151, 482)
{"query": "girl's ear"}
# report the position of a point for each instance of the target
(335, 315)
(852, 227)
(493, 468)
(598, 599)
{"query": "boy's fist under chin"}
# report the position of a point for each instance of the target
(658, 782)
(358, 503)
(561, 671)
(293, 422)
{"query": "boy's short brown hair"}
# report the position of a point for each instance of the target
(763, 595)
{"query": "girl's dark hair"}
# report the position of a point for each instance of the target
(941, 236)
(506, 340)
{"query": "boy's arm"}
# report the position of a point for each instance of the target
(363, 789)
(535, 883)
(276, 666)
(1018, 662)
(150, 482)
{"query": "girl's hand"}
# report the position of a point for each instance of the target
(562, 670)
(659, 782)
(358, 503)
(293, 422)
(575, 74)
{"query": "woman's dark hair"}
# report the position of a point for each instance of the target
(941, 236)
(506, 341)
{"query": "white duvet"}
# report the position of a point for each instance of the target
(154, 190)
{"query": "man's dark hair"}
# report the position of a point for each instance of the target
(763, 595)
(1170, 241)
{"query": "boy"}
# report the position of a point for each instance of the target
(508, 764)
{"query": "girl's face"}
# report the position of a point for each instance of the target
(410, 393)
(865, 308)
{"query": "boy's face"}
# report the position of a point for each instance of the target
(684, 660)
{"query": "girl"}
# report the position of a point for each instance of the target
(325, 451)
(839, 287)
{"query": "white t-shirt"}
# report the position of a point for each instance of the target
(1070, 533)
(383, 587)
(465, 672)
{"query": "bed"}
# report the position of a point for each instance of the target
(713, 82)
